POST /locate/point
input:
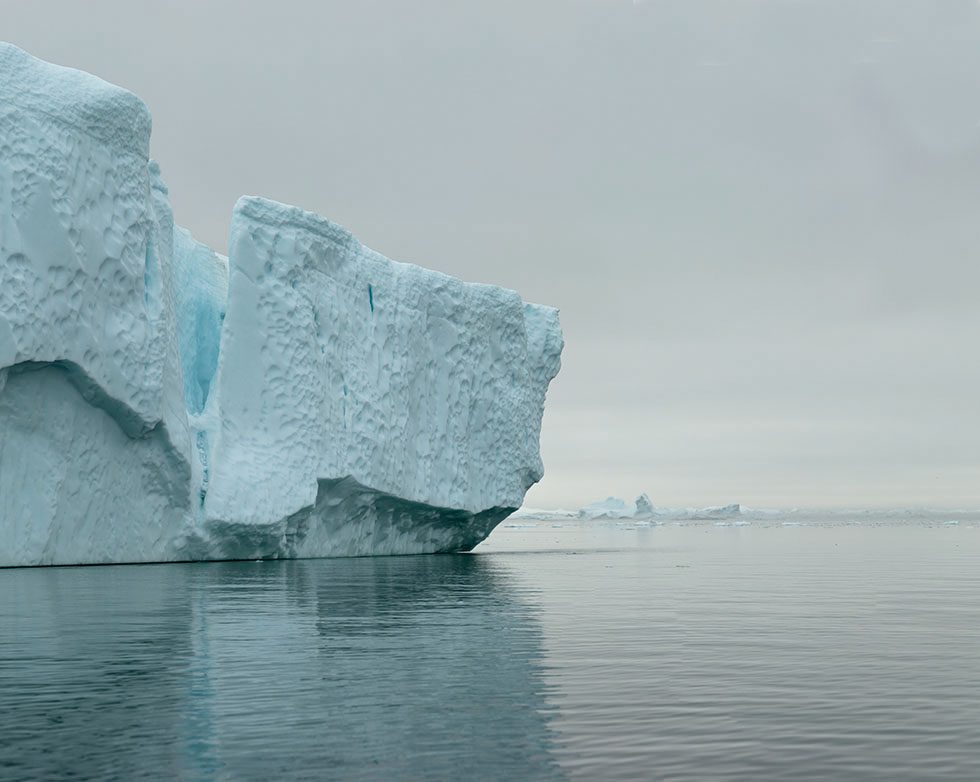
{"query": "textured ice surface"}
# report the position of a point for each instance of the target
(304, 397)
(94, 460)
(422, 392)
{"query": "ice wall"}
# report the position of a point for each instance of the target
(337, 363)
(93, 440)
(305, 397)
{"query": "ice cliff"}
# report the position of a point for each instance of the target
(305, 396)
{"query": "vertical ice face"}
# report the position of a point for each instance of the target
(544, 346)
(201, 292)
(339, 364)
(306, 397)
(93, 436)
(76, 229)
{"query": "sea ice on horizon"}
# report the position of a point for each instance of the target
(643, 508)
(736, 515)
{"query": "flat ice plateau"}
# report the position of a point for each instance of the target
(303, 397)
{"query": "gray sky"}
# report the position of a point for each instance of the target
(760, 220)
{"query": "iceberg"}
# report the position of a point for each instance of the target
(643, 505)
(303, 397)
(643, 508)
(717, 512)
(609, 508)
(616, 508)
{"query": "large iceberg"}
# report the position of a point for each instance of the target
(305, 396)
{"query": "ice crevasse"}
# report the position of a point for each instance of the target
(304, 396)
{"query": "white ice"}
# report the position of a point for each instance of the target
(305, 396)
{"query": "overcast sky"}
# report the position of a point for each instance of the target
(760, 220)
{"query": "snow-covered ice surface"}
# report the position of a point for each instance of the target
(304, 397)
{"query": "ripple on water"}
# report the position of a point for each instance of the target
(582, 651)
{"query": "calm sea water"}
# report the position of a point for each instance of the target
(832, 651)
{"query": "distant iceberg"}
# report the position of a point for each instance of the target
(305, 396)
(642, 507)
(715, 512)
(609, 508)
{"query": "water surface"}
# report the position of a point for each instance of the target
(558, 650)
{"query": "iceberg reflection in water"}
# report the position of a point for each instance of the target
(377, 668)
(841, 647)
